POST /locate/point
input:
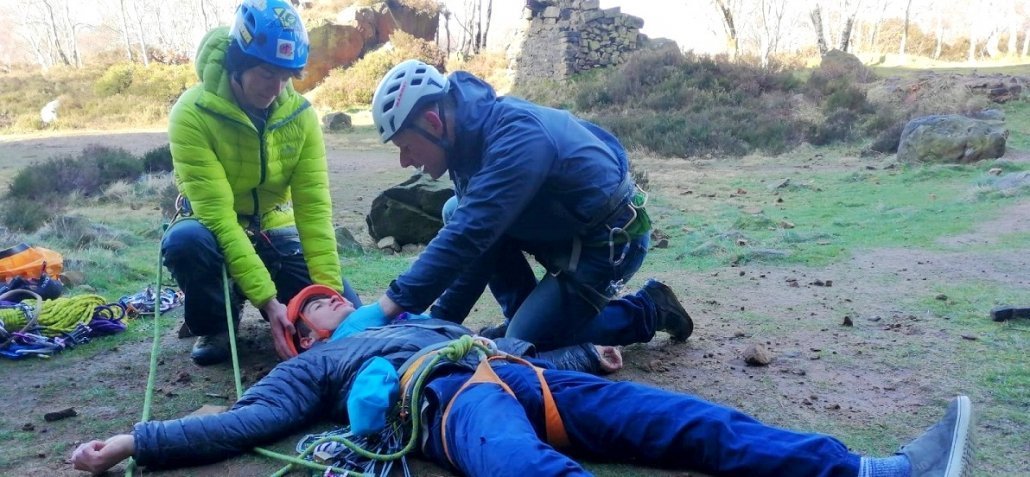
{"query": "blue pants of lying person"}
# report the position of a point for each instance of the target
(491, 432)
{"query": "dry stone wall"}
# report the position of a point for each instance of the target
(561, 37)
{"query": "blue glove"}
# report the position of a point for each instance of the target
(375, 390)
(363, 318)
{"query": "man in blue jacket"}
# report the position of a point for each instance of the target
(531, 179)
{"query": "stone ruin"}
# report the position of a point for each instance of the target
(561, 37)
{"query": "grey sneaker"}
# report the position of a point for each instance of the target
(672, 318)
(946, 449)
(211, 349)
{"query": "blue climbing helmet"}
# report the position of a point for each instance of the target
(271, 31)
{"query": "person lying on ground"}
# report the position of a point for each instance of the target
(528, 179)
(514, 419)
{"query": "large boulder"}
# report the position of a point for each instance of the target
(410, 212)
(951, 138)
(345, 38)
(336, 121)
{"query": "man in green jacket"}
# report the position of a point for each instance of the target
(249, 158)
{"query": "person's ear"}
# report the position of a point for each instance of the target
(307, 342)
(432, 118)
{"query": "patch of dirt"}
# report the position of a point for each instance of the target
(880, 370)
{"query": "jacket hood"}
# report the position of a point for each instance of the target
(475, 99)
(210, 67)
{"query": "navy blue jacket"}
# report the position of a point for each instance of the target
(310, 387)
(522, 170)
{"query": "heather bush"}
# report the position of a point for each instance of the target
(681, 105)
(158, 160)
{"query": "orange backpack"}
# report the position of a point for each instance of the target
(29, 262)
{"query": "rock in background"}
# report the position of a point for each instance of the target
(409, 212)
(951, 138)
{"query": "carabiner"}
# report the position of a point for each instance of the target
(611, 245)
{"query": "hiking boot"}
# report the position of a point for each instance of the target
(211, 349)
(672, 318)
(946, 449)
(494, 331)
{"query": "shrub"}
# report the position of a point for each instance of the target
(162, 82)
(26, 215)
(354, 86)
(114, 164)
(838, 126)
(115, 80)
(158, 159)
(89, 173)
(492, 66)
(843, 95)
(75, 231)
(887, 141)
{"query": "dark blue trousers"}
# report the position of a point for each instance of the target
(555, 311)
(195, 260)
(491, 433)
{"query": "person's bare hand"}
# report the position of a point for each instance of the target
(276, 313)
(98, 456)
(610, 357)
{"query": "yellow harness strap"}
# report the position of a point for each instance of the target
(554, 427)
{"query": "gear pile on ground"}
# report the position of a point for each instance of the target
(37, 327)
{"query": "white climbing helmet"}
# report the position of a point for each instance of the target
(408, 87)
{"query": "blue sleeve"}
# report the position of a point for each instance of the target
(376, 388)
(362, 319)
(517, 162)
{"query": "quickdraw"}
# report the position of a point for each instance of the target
(143, 303)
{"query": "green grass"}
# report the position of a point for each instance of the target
(903, 71)
(833, 215)
(1017, 118)
(995, 373)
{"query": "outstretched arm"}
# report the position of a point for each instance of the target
(98, 456)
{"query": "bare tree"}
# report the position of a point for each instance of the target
(972, 41)
(904, 30)
(1026, 44)
(70, 28)
(772, 12)
(726, 10)
(939, 36)
(55, 32)
(817, 23)
(489, 15)
(125, 29)
(446, 14)
(876, 26)
(849, 22)
(140, 35)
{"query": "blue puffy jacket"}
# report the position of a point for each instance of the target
(521, 170)
(312, 386)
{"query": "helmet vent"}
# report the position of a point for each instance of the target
(416, 81)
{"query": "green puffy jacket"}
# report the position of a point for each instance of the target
(233, 176)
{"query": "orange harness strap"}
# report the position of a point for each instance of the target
(554, 427)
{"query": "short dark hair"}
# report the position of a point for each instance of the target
(301, 329)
